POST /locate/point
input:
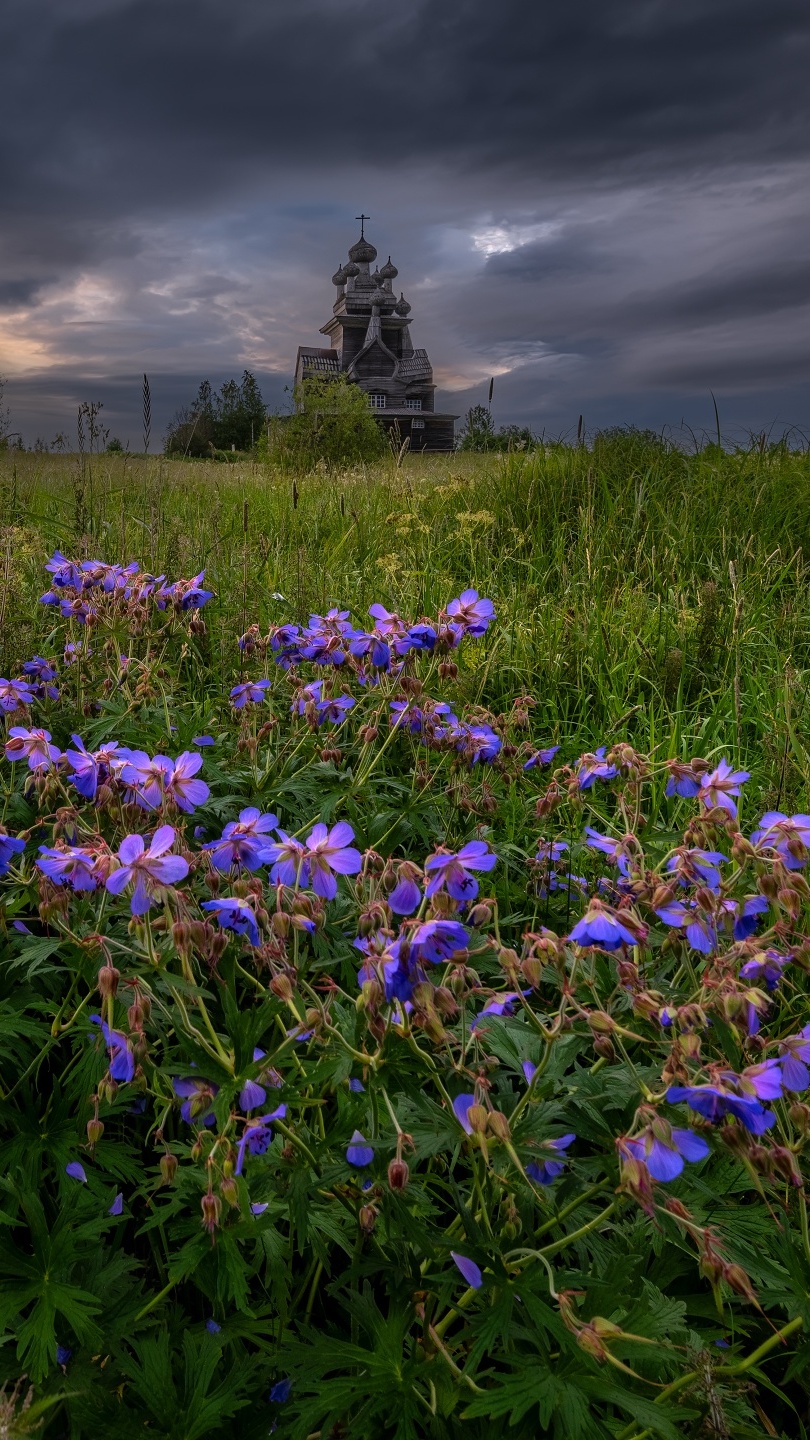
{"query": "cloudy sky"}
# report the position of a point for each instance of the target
(604, 204)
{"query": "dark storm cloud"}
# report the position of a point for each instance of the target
(605, 198)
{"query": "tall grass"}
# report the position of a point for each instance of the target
(641, 591)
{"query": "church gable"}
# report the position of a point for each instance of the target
(374, 361)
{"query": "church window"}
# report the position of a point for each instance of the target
(417, 424)
(377, 401)
(413, 404)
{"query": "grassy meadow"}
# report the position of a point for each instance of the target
(641, 592)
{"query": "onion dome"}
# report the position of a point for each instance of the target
(377, 279)
(381, 297)
(389, 271)
(339, 277)
(402, 307)
(362, 251)
(351, 270)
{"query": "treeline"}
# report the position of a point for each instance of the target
(232, 417)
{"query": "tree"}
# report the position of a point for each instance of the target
(232, 418)
(333, 421)
(478, 431)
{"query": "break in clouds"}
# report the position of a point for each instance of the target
(605, 206)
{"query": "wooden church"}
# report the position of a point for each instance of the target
(370, 342)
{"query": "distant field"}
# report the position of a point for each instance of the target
(640, 591)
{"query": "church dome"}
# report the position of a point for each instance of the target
(363, 251)
(389, 271)
(351, 270)
(377, 278)
(380, 296)
(339, 277)
(402, 307)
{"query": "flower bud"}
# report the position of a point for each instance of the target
(499, 1125)
(95, 1130)
(445, 1002)
(480, 915)
(229, 1190)
(181, 935)
(448, 670)
(531, 968)
(197, 1149)
(800, 1117)
(108, 978)
(604, 1047)
(367, 1218)
(168, 1166)
(740, 1282)
(601, 1023)
(211, 1207)
(107, 1089)
(477, 1118)
(398, 1174)
(281, 986)
(368, 734)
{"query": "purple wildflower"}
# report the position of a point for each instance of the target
(469, 1270)
(235, 914)
(664, 1158)
(69, 865)
(697, 867)
(701, 929)
(212, 1327)
(280, 1393)
(544, 1172)
(461, 1107)
(14, 693)
(721, 787)
(33, 746)
(616, 850)
(288, 859)
(470, 615)
(602, 926)
(683, 780)
(451, 872)
(333, 712)
(198, 1098)
(541, 757)
(438, 940)
(794, 1059)
(406, 895)
(714, 1102)
(594, 766)
(203, 740)
(91, 768)
(765, 967)
(789, 836)
(9, 845)
(76, 1171)
(257, 1135)
(503, 1004)
(242, 841)
(359, 1152)
(746, 914)
(251, 692)
(328, 851)
(252, 1095)
(122, 1061)
(187, 792)
(146, 869)
(259, 1207)
(117, 1207)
